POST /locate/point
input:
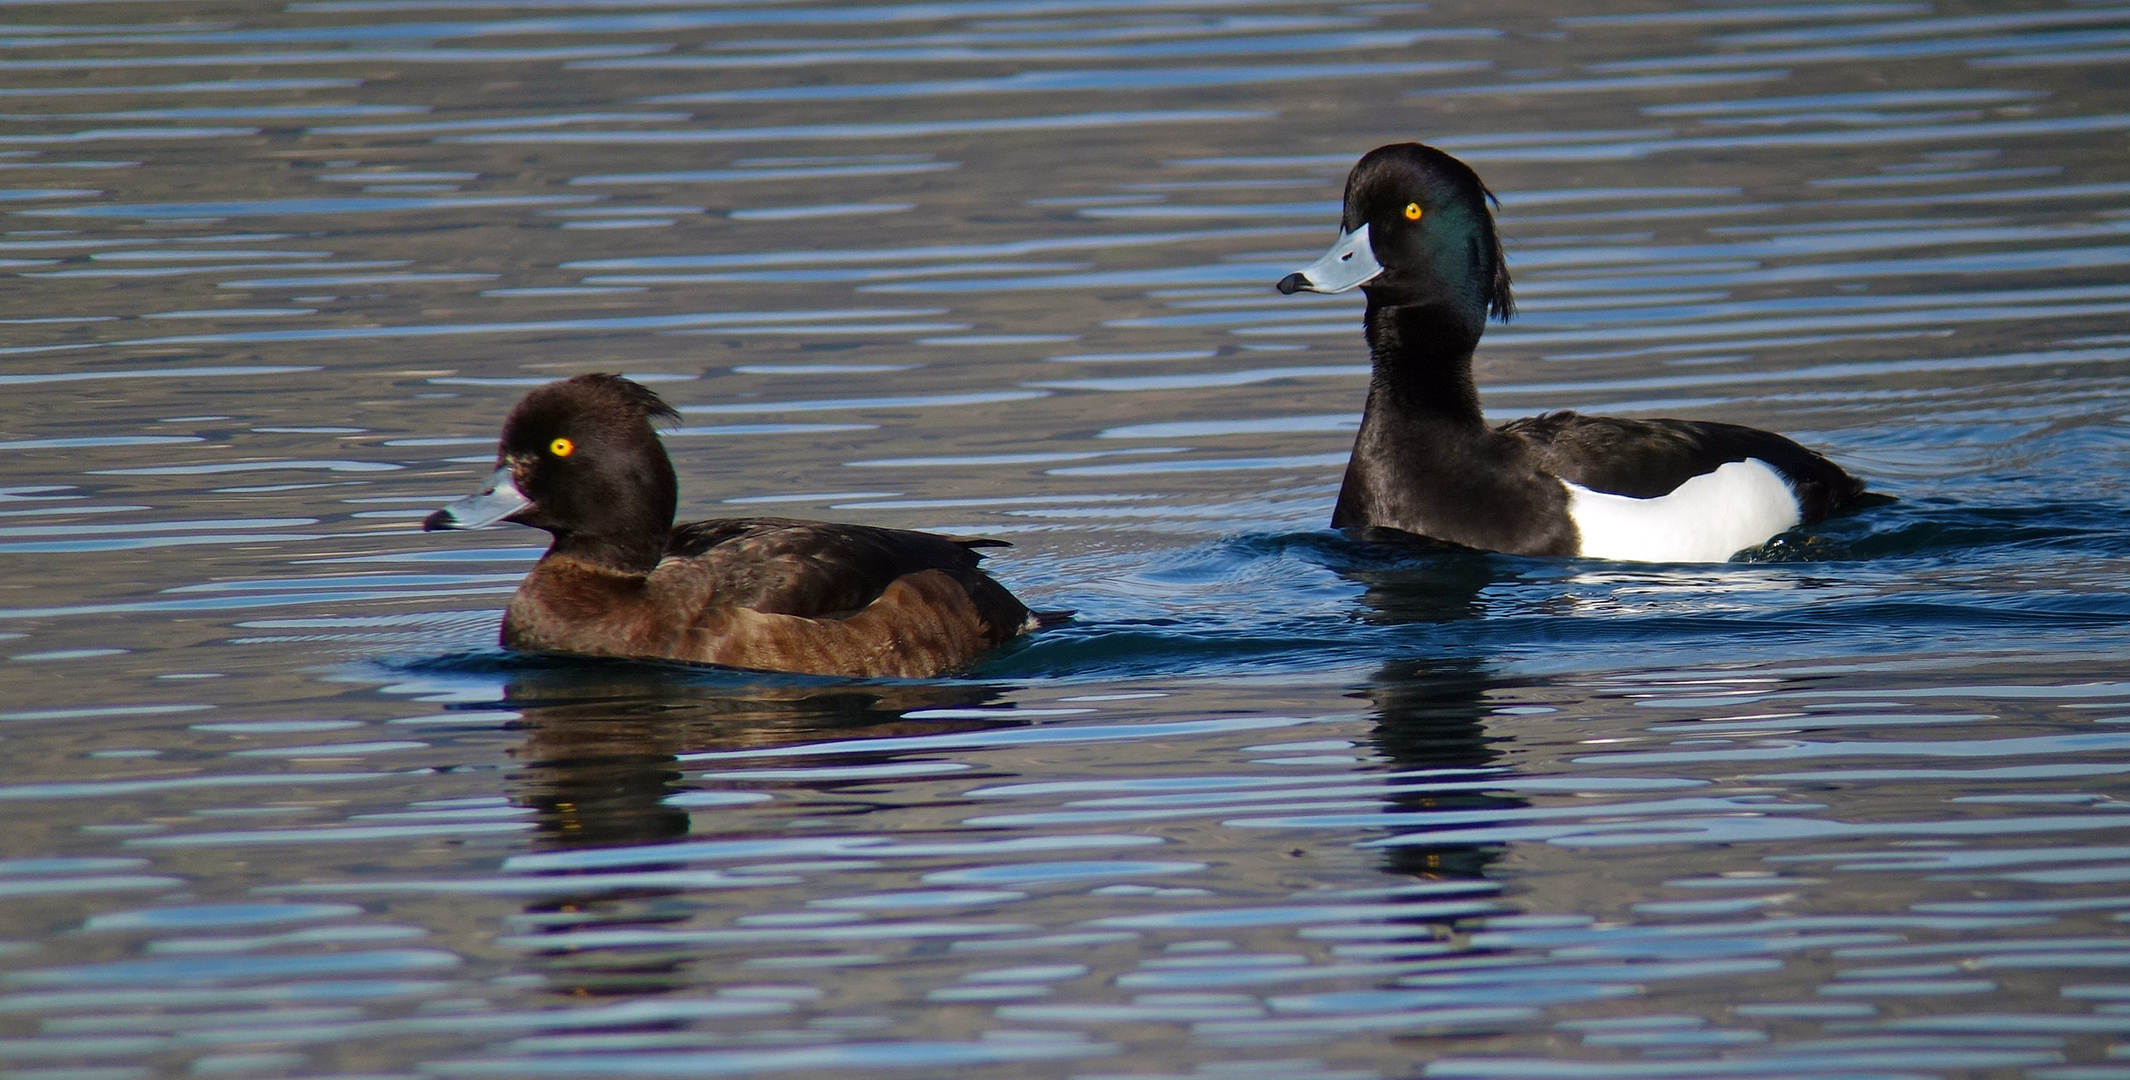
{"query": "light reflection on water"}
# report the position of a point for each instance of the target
(1276, 802)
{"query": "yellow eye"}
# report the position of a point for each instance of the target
(562, 448)
(1412, 211)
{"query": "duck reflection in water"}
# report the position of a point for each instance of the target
(1430, 714)
(601, 766)
(600, 763)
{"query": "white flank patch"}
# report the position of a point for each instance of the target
(1707, 519)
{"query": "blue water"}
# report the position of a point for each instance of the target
(1276, 803)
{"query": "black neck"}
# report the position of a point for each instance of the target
(1422, 360)
(1425, 462)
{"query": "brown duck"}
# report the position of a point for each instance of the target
(579, 459)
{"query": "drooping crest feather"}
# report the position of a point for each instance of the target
(635, 393)
(1500, 302)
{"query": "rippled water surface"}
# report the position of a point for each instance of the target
(1277, 804)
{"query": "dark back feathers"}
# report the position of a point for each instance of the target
(813, 569)
(1649, 458)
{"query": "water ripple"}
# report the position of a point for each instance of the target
(1276, 802)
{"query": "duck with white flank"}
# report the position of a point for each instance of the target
(579, 459)
(1417, 238)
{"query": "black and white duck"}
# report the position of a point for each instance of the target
(1418, 239)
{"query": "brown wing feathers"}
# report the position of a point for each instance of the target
(809, 596)
(920, 625)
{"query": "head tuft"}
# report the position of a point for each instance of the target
(1501, 303)
(588, 408)
(625, 391)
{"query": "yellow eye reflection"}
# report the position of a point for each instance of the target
(1412, 211)
(562, 448)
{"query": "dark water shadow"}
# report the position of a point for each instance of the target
(600, 765)
(599, 762)
(1409, 579)
(1429, 716)
(1429, 711)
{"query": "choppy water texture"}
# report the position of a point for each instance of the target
(1277, 804)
